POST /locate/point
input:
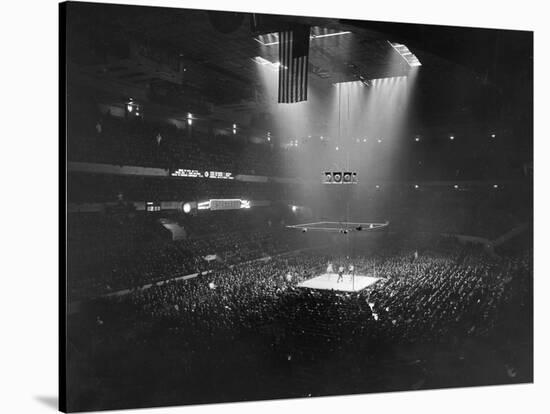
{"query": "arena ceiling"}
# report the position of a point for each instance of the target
(193, 60)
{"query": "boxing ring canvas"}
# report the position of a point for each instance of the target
(349, 283)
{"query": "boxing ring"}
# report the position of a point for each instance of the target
(330, 280)
(348, 282)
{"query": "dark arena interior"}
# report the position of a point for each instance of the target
(212, 180)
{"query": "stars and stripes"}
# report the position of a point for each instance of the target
(294, 61)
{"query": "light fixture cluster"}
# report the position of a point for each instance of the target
(264, 62)
(133, 108)
(270, 39)
(406, 54)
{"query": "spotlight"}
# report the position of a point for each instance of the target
(377, 187)
(347, 177)
(294, 209)
(456, 186)
(451, 137)
(337, 148)
(189, 119)
(264, 62)
(379, 140)
(416, 186)
(493, 135)
(495, 186)
(270, 39)
(417, 138)
(130, 108)
(406, 54)
(187, 208)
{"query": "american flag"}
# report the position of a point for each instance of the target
(293, 67)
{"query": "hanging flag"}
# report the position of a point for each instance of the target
(293, 64)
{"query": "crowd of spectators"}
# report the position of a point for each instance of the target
(440, 300)
(99, 188)
(141, 257)
(135, 141)
(487, 213)
(421, 298)
(138, 141)
(111, 251)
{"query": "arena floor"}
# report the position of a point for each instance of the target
(329, 281)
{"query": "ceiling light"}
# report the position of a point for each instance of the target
(406, 54)
(271, 39)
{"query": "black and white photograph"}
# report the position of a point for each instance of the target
(268, 206)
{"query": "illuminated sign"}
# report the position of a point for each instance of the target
(219, 175)
(223, 204)
(152, 206)
(184, 172)
(205, 205)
